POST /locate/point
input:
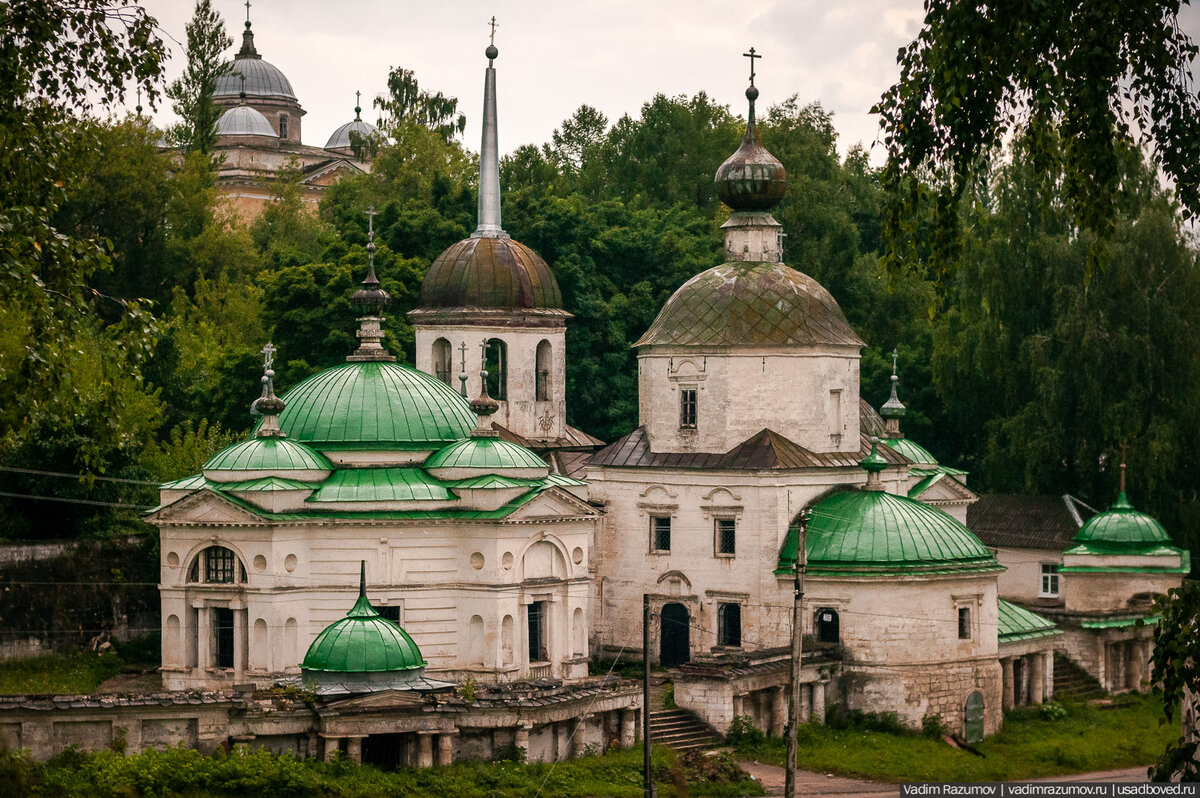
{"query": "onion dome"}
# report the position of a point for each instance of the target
(266, 456)
(340, 140)
(262, 79)
(375, 405)
(242, 120)
(863, 533)
(489, 270)
(362, 643)
(477, 456)
(751, 304)
(1121, 527)
(751, 179)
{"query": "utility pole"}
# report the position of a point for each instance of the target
(647, 777)
(793, 726)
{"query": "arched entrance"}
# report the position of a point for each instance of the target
(828, 626)
(674, 638)
(973, 725)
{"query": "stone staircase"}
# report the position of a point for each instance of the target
(680, 729)
(1072, 681)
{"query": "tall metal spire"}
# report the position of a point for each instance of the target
(248, 50)
(489, 152)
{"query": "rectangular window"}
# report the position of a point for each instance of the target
(1049, 580)
(687, 408)
(219, 565)
(222, 621)
(726, 532)
(537, 632)
(389, 613)
(729, 625)
(964, 623)
(660, 533)
(283, 126)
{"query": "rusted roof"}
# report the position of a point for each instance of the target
(1026, 522)
(751, 304)
(869, 420)
(490, 272)
(572, 438)
(764, 451)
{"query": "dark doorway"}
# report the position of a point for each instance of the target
(828, 626)
(384, 751)
(973, 725)
(674, 639)
(537, 632)
(222, 618)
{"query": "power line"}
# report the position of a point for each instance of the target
(65, 500)
(97, 477)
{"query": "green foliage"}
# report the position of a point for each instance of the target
(77, 672)
(668, 697)
(1052, 710)
(467, 690)
(1028, 747)
(406, 102)
(743, 733)
(979, 73)
(193, 91)
(1175, 667)
(933, 727)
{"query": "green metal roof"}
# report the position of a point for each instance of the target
(563, 480)
(1120, 623)
(751, 304)
(876, 532)
(493, 481)
(362, 642)
(268, 484)
(917, 471)
(268, 454)
(1018, 623)
(910, 449)
(194, 482)
(375, 405)
(484, 454)
(380, 485)
(1122, 528)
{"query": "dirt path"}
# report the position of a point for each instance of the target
(809, 783)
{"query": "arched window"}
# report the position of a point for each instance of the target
(497, 369)
(442, 361)
(729, 625)
(217, 565)
(283, 126)
(828, 625)
(543, 371)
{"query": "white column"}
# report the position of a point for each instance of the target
(818, 702)
(1037, 680)
(203, 636)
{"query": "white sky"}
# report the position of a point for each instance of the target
(555, 56)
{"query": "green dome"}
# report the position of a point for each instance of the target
(751, 304)
(1122, 527)
(362, 642)
(268, 454)
(913, 451)
(875, 532)
(486, 454)
(375, 405)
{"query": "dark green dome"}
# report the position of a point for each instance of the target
(486, 454)
(875, 532)
(375, 405)
(910, 449)
(751, 304)
(362, 642)
(267, 454)
(1122, 527)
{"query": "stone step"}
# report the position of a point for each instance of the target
(680, 729)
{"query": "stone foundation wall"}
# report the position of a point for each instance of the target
(914, 691)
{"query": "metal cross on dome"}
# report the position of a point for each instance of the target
(751, 55)
(268, 356)
(247, 10)
(895, 357)
(494, 25)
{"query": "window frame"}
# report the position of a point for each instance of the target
(724, 633)
(719, 539)
(964, 623)
(689, 402)
(283, 126)
(1049, 572)
(660, 523)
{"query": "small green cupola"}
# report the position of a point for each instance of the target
(892, 411)
(363, 652)
(1122, 528)
(269, 453)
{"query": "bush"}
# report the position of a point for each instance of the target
(668, 698)
(1052, 710)
(744, 734)
(933, 727)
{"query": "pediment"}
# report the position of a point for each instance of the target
(381, 701)
(205, 507)
(947, 490)
(553, 503)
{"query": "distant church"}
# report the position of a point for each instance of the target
(259, 137)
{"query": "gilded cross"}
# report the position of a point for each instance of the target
(751, 55)
(268, 356)
(492, 40)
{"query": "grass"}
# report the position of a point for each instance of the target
(77, 672)
(1029, 746)
(188, 774)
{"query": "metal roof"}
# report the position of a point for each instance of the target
(268, 454)
(1026, 522)
(341, 137)
(1017, 623)
(484, 454)
(263, 79)
(1122, 527)
(362, 642)
(242, 120)
(876, 532)
(490, 272)
(375, 405)
(380, 485)
(910, 449)
(751, 304)
(766, 449)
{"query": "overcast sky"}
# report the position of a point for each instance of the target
(554, 56)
